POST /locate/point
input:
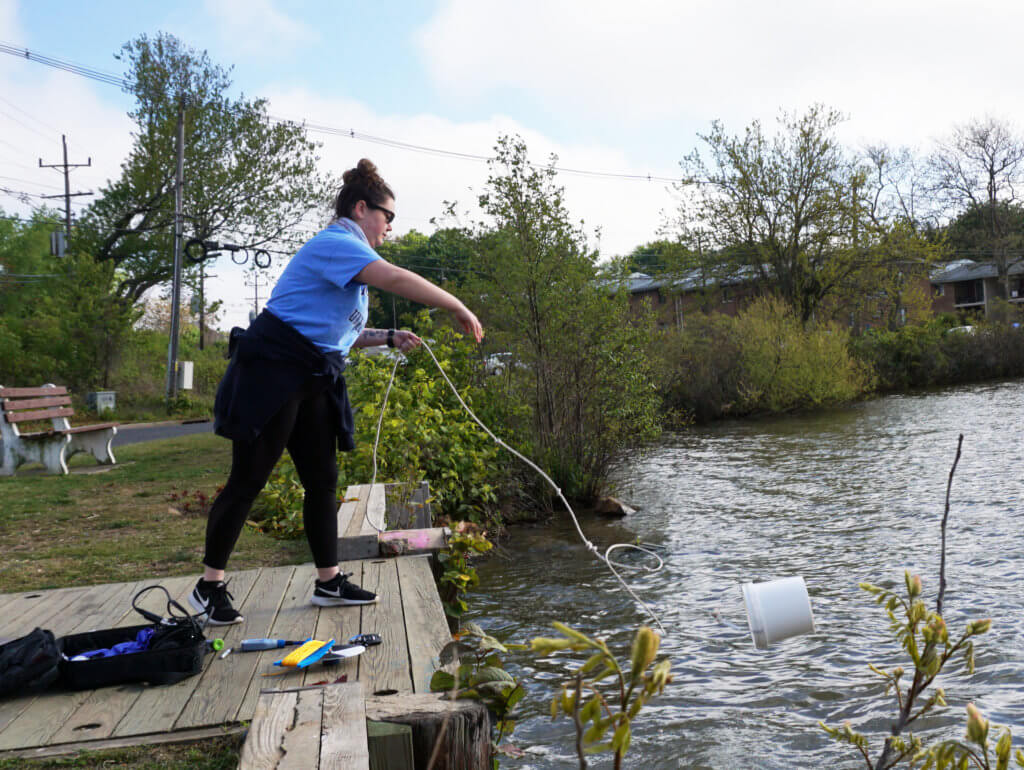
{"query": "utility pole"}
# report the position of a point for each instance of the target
(202, 303)
(179, 184)
(255, 291)
(68, 195)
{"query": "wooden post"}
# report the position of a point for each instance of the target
(390, 746)
(456, 734)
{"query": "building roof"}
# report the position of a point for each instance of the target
(641, 282)
(968, 270)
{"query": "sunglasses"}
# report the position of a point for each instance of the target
(389, 215)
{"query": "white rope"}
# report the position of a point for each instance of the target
(589, 545)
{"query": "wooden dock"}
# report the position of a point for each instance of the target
(389, 683)
(275, 602)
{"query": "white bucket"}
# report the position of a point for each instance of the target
(777, 610)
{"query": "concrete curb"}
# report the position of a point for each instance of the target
(134, 425)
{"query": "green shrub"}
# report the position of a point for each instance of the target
(932, 355)
(764, 360)
(788, 366)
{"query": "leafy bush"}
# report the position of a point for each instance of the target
(764, 360)
(931, 355)
(788, 366)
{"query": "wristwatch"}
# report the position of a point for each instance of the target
(391, 338)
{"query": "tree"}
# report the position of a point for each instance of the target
(788, 210)
(979, 169)
(900, 234)
(442, 258)
(969, 234)
(60, 319)
(583, 373)
(248, 179)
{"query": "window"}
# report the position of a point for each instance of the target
(969, 292)
(938, 290)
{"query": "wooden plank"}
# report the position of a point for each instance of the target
(36, 403)
(411, 513)
(183, 736)
(361, 494)
(285, 732)
(412, 542)
(48, 712)
(358, 547)
(343, 743)
(155, 709)
(296, 619)
(42, 414)
(347, 510)
(221, 687)
(56, 390)
(339, 623)
(374, 520)
(385, 666)
(92, 428)
(425, 623)
(13, 607)
(421, 504)
(48, 607)
(389, 746)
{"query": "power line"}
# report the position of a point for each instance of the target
(350, 133)
(29, 181)
(30, 116)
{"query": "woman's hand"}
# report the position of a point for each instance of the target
(406, 340)
(469, 322)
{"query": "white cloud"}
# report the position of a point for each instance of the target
(10, 29)
(904, 71)
(250, 27)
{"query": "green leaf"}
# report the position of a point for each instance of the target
(441, 681)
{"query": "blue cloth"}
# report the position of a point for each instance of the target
(317, 294)
(141, 642)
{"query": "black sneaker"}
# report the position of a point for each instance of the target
(338, 592)
(212, 598)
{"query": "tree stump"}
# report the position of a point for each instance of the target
(456, 733)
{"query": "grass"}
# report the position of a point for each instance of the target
(211, 754)
(123, 523)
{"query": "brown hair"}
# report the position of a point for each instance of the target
(361, 183)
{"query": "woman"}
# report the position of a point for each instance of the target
(284, 386)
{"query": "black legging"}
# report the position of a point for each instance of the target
(303, 426)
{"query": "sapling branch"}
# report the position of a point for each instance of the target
(945, 518)
(578, 722)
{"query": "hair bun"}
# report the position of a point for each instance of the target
(365, 170)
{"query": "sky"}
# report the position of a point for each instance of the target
(608, 86)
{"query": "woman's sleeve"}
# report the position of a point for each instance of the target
(348, 257)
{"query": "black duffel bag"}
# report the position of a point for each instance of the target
(174, 651)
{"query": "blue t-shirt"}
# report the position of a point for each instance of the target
(317, 293)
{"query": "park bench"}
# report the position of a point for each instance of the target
(50, 447)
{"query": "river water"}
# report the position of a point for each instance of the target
(838, 497)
